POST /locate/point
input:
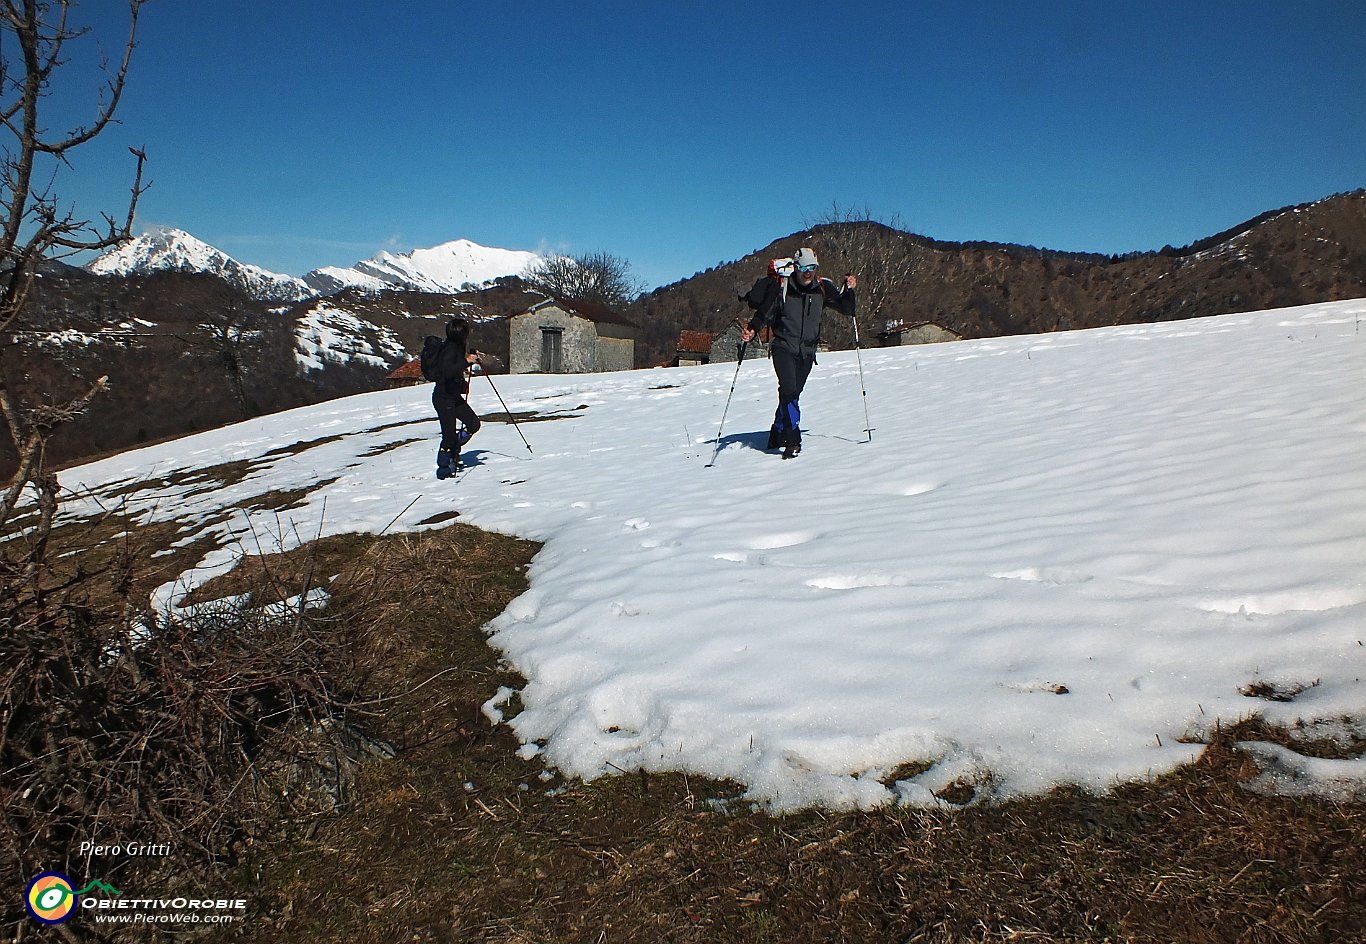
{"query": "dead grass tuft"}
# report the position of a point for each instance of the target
(1268, 690)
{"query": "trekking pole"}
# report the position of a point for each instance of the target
(740, 360)
(509, 413)
(858, 354)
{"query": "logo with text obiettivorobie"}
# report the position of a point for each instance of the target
(50, 898)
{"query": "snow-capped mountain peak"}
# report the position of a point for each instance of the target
(169, 249)
(448, 267)
(160, 248)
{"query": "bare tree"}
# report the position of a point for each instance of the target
(878, 252)
(597, 277)
(34, 35)
(229, 340)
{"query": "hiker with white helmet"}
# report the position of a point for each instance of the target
(791, 300)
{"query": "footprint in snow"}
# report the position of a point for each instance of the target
(784, 539)
(1057, 576)
(857, 581)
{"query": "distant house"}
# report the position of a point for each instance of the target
(406, 375)
(694, 348)
(916, 332)
(570, 337)
(726, 345)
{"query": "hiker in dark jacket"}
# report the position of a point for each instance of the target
(792, 306)
(458, 421)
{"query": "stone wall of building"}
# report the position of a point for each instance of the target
(578, 341)
(616, 353)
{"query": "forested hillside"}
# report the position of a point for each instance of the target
(1296, 255)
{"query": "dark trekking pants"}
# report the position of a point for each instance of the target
(452, 411)
(792, 370)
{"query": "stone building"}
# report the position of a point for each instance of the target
(570, 337)
(726, 345)
(915, 332)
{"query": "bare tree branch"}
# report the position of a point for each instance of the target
(877, 251)
(34, 35)
(228, 340)
(597, 277)
(29, 434)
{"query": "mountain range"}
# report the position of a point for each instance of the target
(448, 268)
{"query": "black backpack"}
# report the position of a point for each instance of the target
(431, 348)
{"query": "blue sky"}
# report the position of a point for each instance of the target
(297, 134)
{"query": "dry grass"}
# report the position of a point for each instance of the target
(118, 553)
(116, 725)
(459, 840)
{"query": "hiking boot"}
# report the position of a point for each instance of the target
(446, 464)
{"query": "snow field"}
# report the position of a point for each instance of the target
(1061, 558)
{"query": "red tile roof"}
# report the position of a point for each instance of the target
(409, 371)
(694, 342)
